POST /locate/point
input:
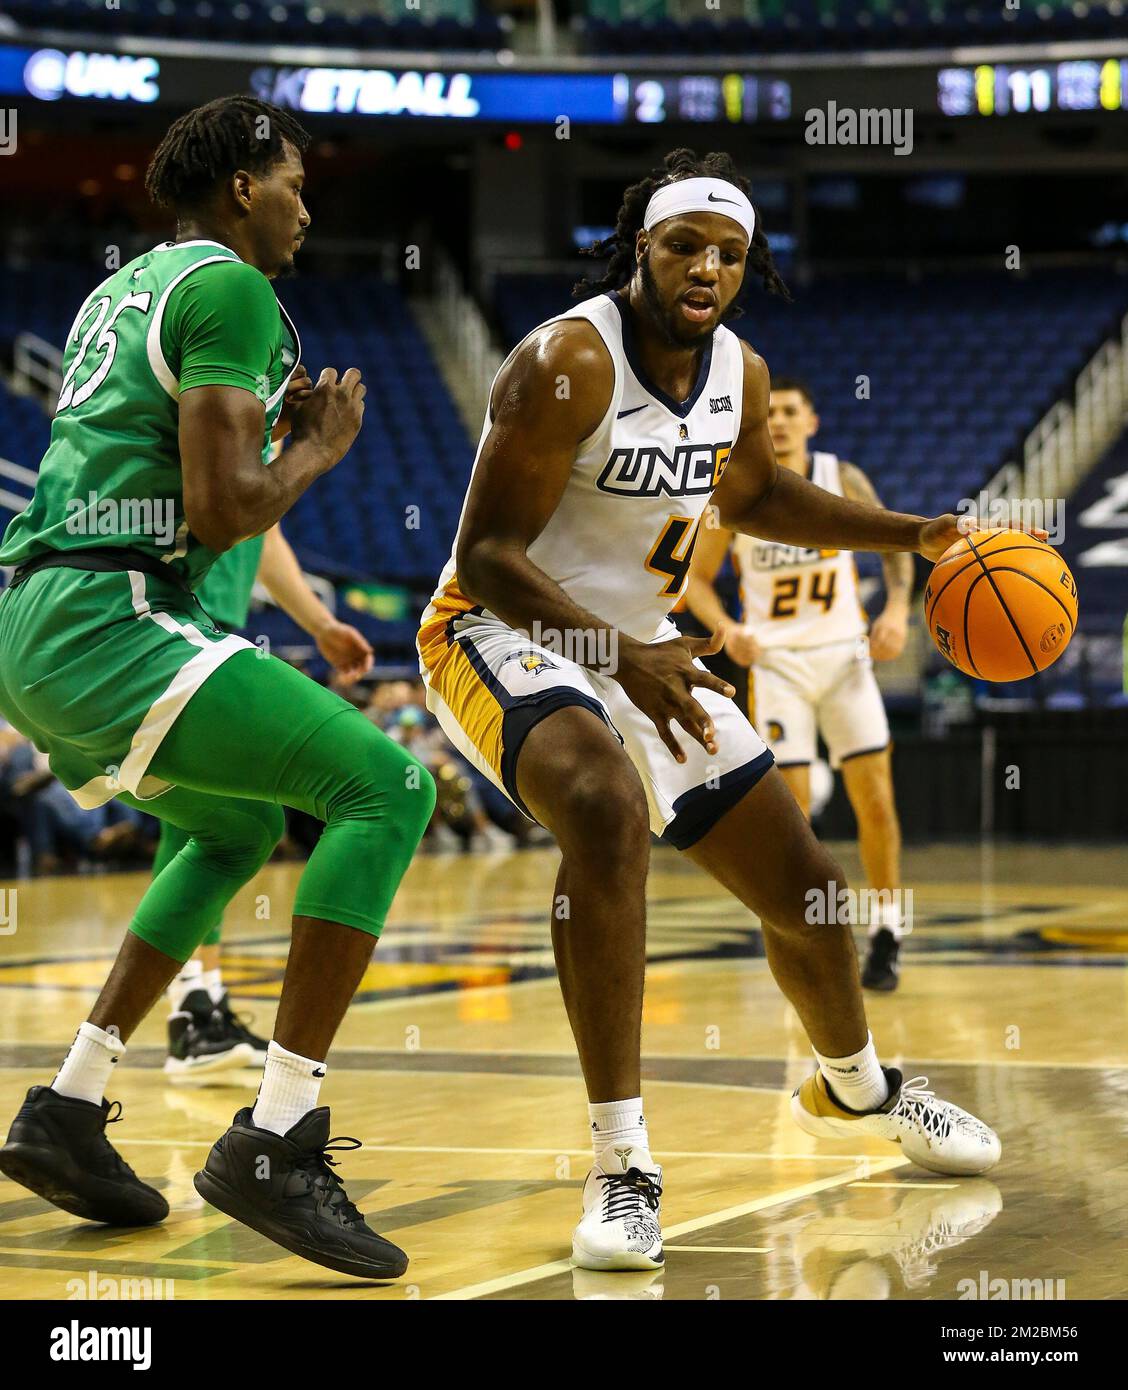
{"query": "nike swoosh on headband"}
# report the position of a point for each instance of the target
(714, 199)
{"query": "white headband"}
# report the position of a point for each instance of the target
(700, 195)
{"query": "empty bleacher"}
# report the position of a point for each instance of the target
(679, 27)
(432, 24)
(957, 369)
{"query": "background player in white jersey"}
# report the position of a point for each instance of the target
(802, 633)
(551, 663)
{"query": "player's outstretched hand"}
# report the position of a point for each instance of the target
(741, 645)
(329, 418)
(345, 649)
(943, 531)
(659, 677)
(888, 634)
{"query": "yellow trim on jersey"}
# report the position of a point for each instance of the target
(472, 703)
(452, 675)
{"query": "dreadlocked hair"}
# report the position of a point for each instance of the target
(620, 246)
(211, 142)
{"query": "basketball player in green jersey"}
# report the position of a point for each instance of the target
(175, 374)
(204, 1033)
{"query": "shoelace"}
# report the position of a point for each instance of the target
(920, 1105)
(626, 1192)
(318, 1167)
(238, 1023)
(106, 1150)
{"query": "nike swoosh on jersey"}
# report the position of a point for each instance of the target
(633, 411)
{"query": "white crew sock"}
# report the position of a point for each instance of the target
(618, 1122)
(87, 1066)
(191, 977)
(857, 1081)
(212, 981)
(289, 1090)
(890, 916)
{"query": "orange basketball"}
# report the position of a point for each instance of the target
(1001, 605)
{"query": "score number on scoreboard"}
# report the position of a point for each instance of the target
(735, 97)
(1001, 89)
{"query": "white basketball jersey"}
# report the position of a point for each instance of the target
(620, 539)
(796, 596)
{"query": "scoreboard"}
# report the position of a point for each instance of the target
(478, 88)
(1003, 89)
(717, 98)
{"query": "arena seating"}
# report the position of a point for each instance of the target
(436, 24)
(767, 26)
(959, 368)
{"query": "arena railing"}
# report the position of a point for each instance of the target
(37, 367)
(460, 337)
(1070, 438)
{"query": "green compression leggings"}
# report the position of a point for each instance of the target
(255, 737)
(172, 841)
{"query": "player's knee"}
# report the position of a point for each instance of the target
(818, 897)
(417, 801)
(385, 784)
(604, 812)
(241, 840)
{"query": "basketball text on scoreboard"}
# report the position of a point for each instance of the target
(465, 89)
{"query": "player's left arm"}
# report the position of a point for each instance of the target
(891, 626)
(757, 497)
(342, 646)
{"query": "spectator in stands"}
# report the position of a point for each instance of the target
(59, 833)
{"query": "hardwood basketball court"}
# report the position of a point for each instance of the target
(455, 1067)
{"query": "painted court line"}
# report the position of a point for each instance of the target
(684, 1228)
(551, 1153)
(931, 1186)
(719, 1249)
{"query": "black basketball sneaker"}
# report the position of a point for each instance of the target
(283, 1186)
(881, 970)
(254, 1047)
(57, 1148)
(200, 1040)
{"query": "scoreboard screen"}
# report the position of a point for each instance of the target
(716, 98)
(1003, 89)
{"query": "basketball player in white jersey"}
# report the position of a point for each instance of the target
(803, 634)
(551, 663)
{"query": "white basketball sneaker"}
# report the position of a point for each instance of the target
(620, 1226)
(932, 1132)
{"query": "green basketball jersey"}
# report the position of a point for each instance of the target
(226, 590)
(182, 315)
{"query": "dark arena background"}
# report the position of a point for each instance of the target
(944, 187)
